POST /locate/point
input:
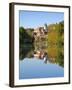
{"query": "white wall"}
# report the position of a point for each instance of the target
(4, 43)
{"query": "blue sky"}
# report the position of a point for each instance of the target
(33, 19)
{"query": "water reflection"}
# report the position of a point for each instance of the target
(33, 46)
(36, 68)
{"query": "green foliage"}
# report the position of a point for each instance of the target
(60, 59)
(56, 42)
(60, 45)
(26, 44)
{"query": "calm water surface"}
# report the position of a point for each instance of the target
(35, 68)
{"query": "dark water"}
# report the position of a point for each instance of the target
(36, 68)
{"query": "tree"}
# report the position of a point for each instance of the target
(26, 44)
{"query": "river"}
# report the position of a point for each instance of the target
(31, 68)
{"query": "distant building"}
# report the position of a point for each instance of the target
(40, 32)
